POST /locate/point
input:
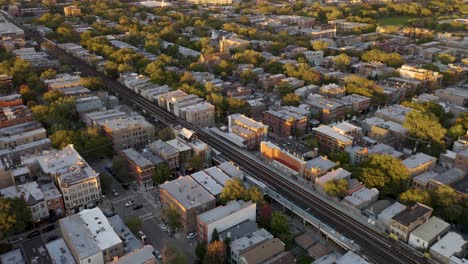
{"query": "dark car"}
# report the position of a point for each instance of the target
(137, 206)
(48, 229)
(125, 186)
(33, 234)
(52, 238)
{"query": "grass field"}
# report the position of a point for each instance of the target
(397, 20)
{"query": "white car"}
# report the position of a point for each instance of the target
(163, 226)
(191, 235)
(142, 235)
(130, 203)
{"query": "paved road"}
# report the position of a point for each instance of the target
(376, 247)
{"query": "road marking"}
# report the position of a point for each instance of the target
(119, 200)
(146, 216)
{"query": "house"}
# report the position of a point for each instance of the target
(262, 252)
(224, 217)
(452, 244)
(395, 113)
(428, 233)
(327, 109)
(362, 198)
(129, 132)
(330, 140)
(32, 195)
(419, 163)
(333, 175)
(282, 159)
(140, 168)
(385, 217)
(317, 167)
(213, 59)
(461, 160)
(167, 152)
(242, 244)
(252, 131)
(409, 219)
(286, 122)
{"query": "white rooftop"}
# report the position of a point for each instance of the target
(431, 229)
(223, 211)
(351, 258)
(248, 241)
(59, 252)
(231, 170)
(32, 192)
(12, 257)
(450, 244)
(331, 133)
(207, 182)
(388, 213)
(334, 175)
(361, 196)
(179, 145)
(417, 160)
(187, 192)
(218, 175)
(136, 158)
(100, 228)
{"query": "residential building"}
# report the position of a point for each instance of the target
(448, 178)
(395, 113)
(456, 96)
(387, 132)
(77, 181)
(333, 90)
(428, 233)
(409, 219)
(238, 246)
(63, 81)
(88, 104)
(262, 252)
(386, 216)
(421, 181)
(205, 180)
(329, 140)
(14, 256)
(142, 255)
(21, 134)
(184, 150)
(419, 163)
(226, 44)
(362, 198)
(90, 237)
(318, 167)
(10, 30)
(351, 258)
(14, 154)
(333, 175)
(59, 252)
(32, 195)
(252, 131)
(430, 79)
(53, 198)
(359, 103)
(166, 152)
(452, 244)
(285, 123)
(224, 217)
(347, 129)
(14, 115)
(11, 100)
(130, 241)
(199, 148)
(71, 11)
(129, 132)
(140, 168)
(358, 154)
(371, 69)
(282, 159)
(232, 171)
(327, 109)
(213, 59)
(319, 33)
(188, 198)
(37, 59)
(461, 161)
(201, 114)
(34, 250)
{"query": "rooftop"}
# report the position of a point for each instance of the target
(126, 122)
(411, 214)
(250, 240)
(326, 130)
(187, 192)
(247, 121)
(141, 255)
(361, 196)
(334, 175)
(50, 191)
(245, 228)
(35, 251)
(59, 252)
(179, 145)
(431, 229)
(351, 258)
(97, 223)
(131, 243)
(388, 213)
(263, 251)
(31, 191)
(218, 175)
(231, 170)
(207, 182)
(450, 176)
(417, 160)
(223, 211)
(136, 158)
(12, 257)
(450, 244)
(163, 147)
(321, 163)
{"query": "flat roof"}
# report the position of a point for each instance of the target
(125, 122)
(321, 163)
(218, 175)
(450, 176)
(326, 130)
(411, 214)
(130, 241)
(223, 211)
(35, 250)
(59, 252)
(388, 213)
(263, 251)
(431, 229)
(351, 258)
(187, 192)
(245, 228)
(417, 160)
(450, 244)
(207, 182)
(362, 195)
(231, 170)
(247, 121)
(179, 145)
(425, 177)
(337, 174)
(141, 255)
(13, 257)
(163, 147)
(100, 228)
(136, 158)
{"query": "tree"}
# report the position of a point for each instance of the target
(200, 250)
(237, 105)
(171, 255)
(120, 168)
(319, 45)
(341, 61)
(445, 197)
(233, 190)
(390, 59)
(15, 216)
(445, 58)
(337, 188)
(93, 83)
(215, 235)
(173, 217)
(215, 253)
(166, 134)
(51, 96)
(134, 224)
(341, 158)
(162, 173)
(279, 224)
(384, 172)
(48, 74)
(359, 85)
(265, 215)
(255, 195)
(412, 196)
(195, 163)
(291, 99)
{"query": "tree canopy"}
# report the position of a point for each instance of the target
(356, 84)
(336, 188)
(15, 216)
(390, 59)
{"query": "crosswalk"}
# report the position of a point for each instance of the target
(121, 199)
(146, 216)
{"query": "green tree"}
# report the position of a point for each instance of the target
(291, 99)
(134, 224)
(93, 83)
(390, 59)
(319, 45)
(341, 61)
(48, 74)
(445, 58)
(384, 172)
(337, 188)
(200, 250)
(255, 195)
(15, 216)
(195, 163)
(341, 158)
(165, 134)
(236, 105)
(173, 217)
(172, 255)
(233, 190)
(412, 196)
(279, 225)
(215, 253)
(215, 235)
(445, 196)
(359, 85)
(120, 168)
(162, 173)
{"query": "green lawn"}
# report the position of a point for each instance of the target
(397, 20)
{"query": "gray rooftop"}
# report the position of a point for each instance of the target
(141, 255)
(74, 227)
(12, 257)
(417, 160)
(240, 230)
(187, 192)
(223, 211)
(321, 163)
(207, 182)
(130, 241)
(59, 252)
(135, 157)
(431, 229)
(160, 146)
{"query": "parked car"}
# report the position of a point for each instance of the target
(15, 240)
(125, 186)
(48, 229)
(137, 206)
(130, 203)
(52, 238)
(114, 192)
(142, 235)
(157, 254)
(191, 235)
(33, 234)
(163, 226)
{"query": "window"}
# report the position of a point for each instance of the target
(89, 260)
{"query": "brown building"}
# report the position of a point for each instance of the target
(406, 221)
(282, 158)
(430, 79)
(10, 116)
(188, 198)
(262, 252)
(140, 168)
(11, 100)
(328, 110)
(53, 198)
(213, 59)
(252, 131)
(71, 11)
(329, 140)
(285, 123)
